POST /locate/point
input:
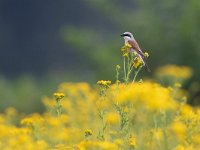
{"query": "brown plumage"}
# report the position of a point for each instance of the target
(135, 47)
(128, 37)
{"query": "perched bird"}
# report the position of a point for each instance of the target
(129, 39)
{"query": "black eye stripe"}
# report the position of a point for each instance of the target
(127, 35)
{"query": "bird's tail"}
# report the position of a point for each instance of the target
(142, 57)
(147, 67)
(144, 62)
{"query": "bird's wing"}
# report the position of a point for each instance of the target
(136, 47)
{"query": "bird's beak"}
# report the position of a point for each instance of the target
(122, 35)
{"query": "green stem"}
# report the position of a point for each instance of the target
(58, 107)
(128, 68)
(129, 72)
(125, 79)
(136, 73)
(165, 139)
(102, 131)
(117, 77)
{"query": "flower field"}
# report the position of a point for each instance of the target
(129, 114)
(120, 116)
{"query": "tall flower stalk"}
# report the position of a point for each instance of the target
(58, 97)
(131, 63)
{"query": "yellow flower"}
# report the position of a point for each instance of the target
(112, 118)
(27, 121)
(157, 133)
(119, 142)
(126, 109)
(118, 67)
(127, 45)
(125, 54)
(174, 71)
(64, 119)
(34, 119)
(118, 81)
(125, 49)
(88, 132)
(59, 95)
(196, 139)
(179, 129)
(177, 85)
(101, 145)
(132, 142)
(148, 95)
(106, 145)
(188, 114)
(104, 83)
(137, 62)
(146, 54)
(63, 147)
(179, 147)
(42, 145)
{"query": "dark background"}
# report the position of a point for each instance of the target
(30, 40)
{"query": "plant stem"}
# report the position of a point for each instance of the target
(136, 73)
(101, 132)
(125, 79)
(117, 77)
(165, 139)
(58, 107)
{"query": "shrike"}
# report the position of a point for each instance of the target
(129, 39)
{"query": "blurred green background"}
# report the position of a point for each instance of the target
(44, 43)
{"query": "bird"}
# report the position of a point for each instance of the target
(129, 39)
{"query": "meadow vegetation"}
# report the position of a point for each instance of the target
(129, 113)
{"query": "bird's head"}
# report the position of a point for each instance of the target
(127, 35)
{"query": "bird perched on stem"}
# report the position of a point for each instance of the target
(129, 39)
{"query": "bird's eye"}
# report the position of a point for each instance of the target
(127, 35)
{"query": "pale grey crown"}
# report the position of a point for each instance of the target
(128, 35)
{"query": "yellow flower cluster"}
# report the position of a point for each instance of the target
(174, 71)
(118, 67)
(132, 142)
(88, 132)
(146, 54)
(149, 95)
(104, 82)
(131, 116)
(137, 62)
(112, 118)
(59, 95)
(125, 49)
